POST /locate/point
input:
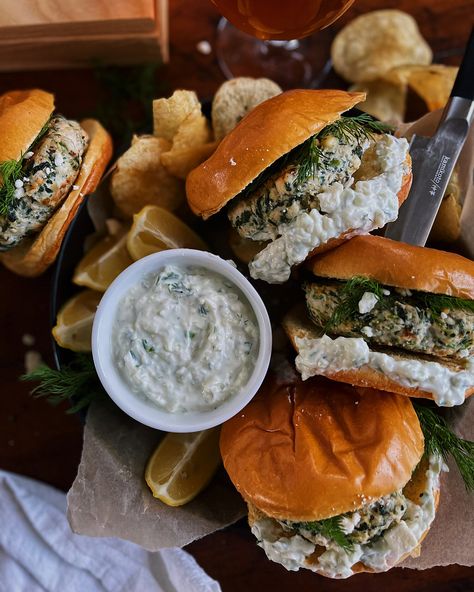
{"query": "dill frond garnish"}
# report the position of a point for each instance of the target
(360, 128)
(330, 528)
(310, 156)
(77, 383)
(441, 440)
(10, 171)
(353, 290)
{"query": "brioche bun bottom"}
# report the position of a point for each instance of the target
(298, 325)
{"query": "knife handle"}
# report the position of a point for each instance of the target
(464, 83)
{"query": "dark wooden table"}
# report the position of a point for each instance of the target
(44, 443)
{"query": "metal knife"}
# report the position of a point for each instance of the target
(433, 159)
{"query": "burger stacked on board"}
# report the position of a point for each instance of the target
(339, 475)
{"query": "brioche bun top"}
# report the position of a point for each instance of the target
(23, 114)
(271, 130)
(398, 264)
(306, 451)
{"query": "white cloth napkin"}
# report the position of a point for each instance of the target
(39, 552)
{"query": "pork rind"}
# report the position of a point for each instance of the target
(34, 255)
(374, 43)
(140, 178)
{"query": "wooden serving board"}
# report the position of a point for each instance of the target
(45, 34)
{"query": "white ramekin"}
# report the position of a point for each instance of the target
(140, 408)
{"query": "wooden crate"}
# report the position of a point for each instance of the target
(45, 34)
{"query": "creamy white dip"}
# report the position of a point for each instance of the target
(360, 208)
(186, 338)
(323, 355)
(382, 554)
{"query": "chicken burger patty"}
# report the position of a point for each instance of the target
(287, 193)
(49, 170)
(398, 318)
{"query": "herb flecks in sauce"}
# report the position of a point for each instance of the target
(186, 339)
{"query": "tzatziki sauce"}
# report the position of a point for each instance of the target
(185, 338)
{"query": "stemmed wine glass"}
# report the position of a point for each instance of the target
(273, 38)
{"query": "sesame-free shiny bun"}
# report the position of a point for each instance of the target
(271, 130)
(398, 264)
(305, 451)
(23, 113)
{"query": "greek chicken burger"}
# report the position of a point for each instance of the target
(301, 176)
(47, 164)
(389, 315)
(335, 477)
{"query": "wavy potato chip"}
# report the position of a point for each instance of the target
(375, 42)
(235, 98)
(389, 99)
(191, 145)
(140, 178)
(169, 114)
(180, 162)
(431, 83)
(385, 100)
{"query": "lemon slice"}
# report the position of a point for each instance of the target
(102, 264)
(182, 465)
(156, 229)
(73, 327)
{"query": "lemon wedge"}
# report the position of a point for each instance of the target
(102, 264)
(73, 327)
(182, 466)
(156, 229)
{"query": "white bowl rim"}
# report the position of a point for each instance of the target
(142, 410)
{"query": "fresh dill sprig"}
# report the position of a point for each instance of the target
(354, 289)
(360, 128)
(351, 293)
(77, 383)
(10, 171)
(440, 439)
(331, 529)
(309, 157)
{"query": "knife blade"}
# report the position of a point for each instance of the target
(433, 159)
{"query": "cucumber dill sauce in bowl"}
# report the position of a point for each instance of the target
(181, 340)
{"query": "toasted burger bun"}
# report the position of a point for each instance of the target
(268, 132)
(23, 113)
(306, 451)
(398, 264)
(34, 255)
(297, 324)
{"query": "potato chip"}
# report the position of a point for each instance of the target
(169, 114)
(374, 43)
(432, 83)
(140, 179)
(180, 162)
(235, 98)
(191, 146)
(447, 226)
(385, 101)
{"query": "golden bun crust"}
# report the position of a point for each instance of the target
(271, 130)
(23, 114)
(315, 449)
(398, 264)
(33, 256)
(297, 324)
(413, 490)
